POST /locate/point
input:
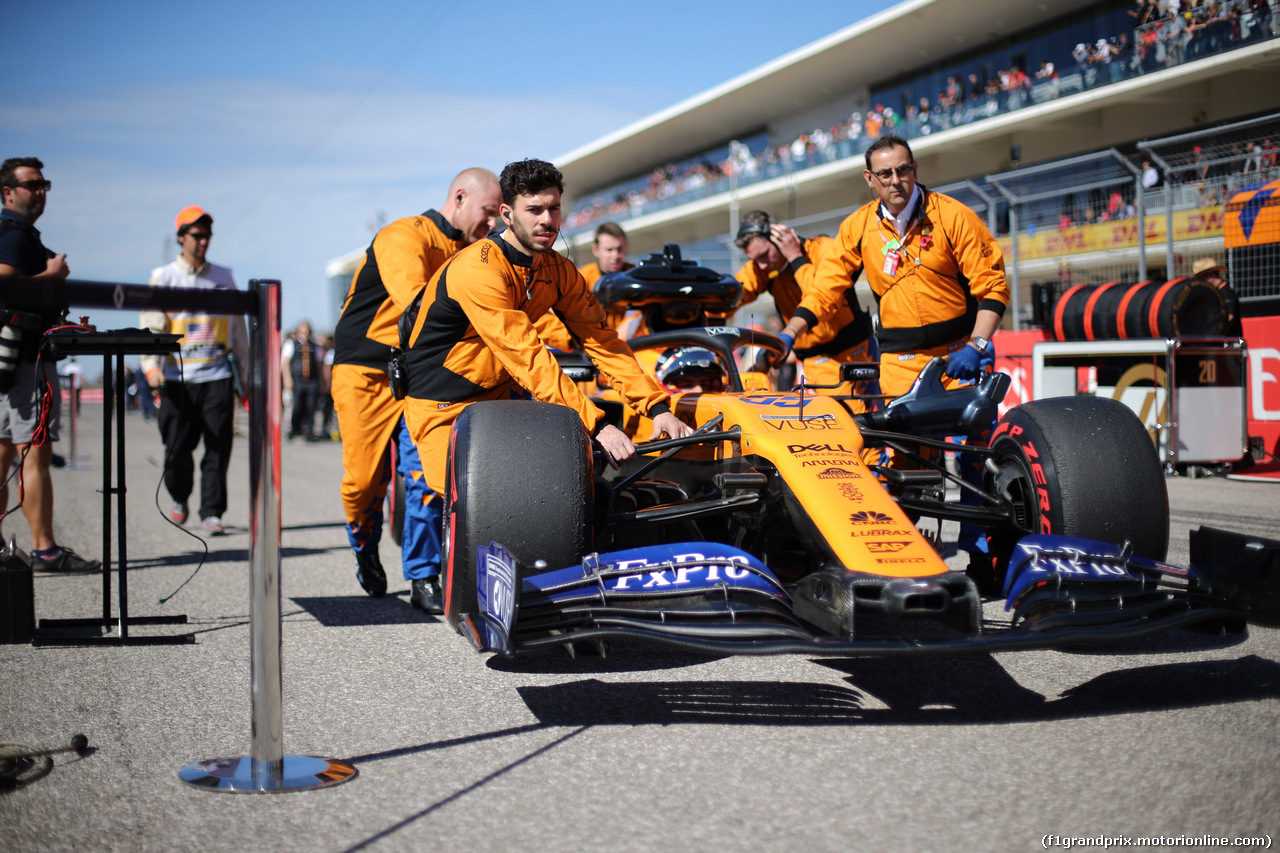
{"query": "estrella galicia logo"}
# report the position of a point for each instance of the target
(889, 547)
(870, 516)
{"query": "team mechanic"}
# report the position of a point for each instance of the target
(474, 338)
(937, 274)
(398, 264)
(783, 263)
(935, 270)
(610, 250)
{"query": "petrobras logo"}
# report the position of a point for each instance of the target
(887, 547)
(868, 516)
(691, 573)
(838, 472)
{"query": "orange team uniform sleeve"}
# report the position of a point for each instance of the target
(585, 318)
(507, 331)
(834, 273)
(408, 252)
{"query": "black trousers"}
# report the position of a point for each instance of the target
(306, 396)
(191, 412)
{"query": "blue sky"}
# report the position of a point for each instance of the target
(298, 126)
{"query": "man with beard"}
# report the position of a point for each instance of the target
(30, 382)
(475, 339)
(400, 261)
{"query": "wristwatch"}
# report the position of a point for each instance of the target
(980, 343)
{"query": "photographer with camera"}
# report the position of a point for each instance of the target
(30, 394)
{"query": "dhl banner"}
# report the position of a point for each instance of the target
(1120, 234)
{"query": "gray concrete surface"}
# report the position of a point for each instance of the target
(644, 750)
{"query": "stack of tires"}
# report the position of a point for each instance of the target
(1179, 308)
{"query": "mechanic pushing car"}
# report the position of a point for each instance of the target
(475, 340)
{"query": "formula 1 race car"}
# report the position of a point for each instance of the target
(766, 532)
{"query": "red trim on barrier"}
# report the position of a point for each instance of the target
(1121, 333)
(1088, 309)
(1059, 309)
(1153, 314)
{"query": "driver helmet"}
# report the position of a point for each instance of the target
(690, 369)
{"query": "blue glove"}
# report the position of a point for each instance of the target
(965, 363)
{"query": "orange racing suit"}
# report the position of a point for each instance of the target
(398, 264)
(843, 336)
(474, 340)
(948, 266)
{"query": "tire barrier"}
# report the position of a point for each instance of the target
(1178, 308)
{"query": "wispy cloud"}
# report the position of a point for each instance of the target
(291, 172)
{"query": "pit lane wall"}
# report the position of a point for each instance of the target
(1015, 356)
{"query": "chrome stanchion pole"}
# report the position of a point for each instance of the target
(267, 769)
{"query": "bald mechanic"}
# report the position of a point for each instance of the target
(397, 266)
(474, 338)
(782, 263)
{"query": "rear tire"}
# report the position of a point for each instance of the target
(1079, 466)
(519, 473)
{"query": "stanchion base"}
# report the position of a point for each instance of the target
(236, 776)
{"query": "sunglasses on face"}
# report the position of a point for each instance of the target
(901, 171)
(33, 186)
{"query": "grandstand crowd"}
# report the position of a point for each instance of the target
(1165, 33)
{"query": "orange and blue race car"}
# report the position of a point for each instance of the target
(767, 531)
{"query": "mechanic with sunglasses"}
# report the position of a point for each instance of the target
(31, 400)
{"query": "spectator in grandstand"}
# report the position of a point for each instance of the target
(782, 264)
(938, 276)
(397, 266)
(1150, 176)
(474, 337)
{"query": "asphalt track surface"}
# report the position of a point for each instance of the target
(646, 749)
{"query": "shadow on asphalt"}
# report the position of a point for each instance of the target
(355, 611)
(935, 691)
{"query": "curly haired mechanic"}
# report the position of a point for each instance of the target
(398, 264)
(474, 338)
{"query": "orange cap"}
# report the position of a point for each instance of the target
(189, 215)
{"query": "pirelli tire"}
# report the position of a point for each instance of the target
(1079, 466)
(518, 473)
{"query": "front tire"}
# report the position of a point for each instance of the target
(519, 473)
(1079, 466)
